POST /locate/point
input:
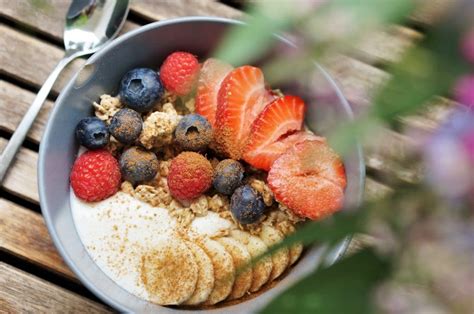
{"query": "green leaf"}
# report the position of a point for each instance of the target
(345, 287)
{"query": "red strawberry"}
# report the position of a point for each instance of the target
(179, 72)
(190, 175)
(279, 118)
(241, 98)
(213, 71)
(95, 176)
(310, 179)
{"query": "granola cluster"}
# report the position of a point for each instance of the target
(107, 107)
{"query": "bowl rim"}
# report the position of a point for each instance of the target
(331, 256)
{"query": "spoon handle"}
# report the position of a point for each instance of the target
(19, 135)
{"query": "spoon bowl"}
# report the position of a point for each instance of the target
(92, 23)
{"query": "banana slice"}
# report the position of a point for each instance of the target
(281, 258)
(295, 252)
(241, 258)
(262, 269)
(169, 272)
(205, 281)
(224, 270)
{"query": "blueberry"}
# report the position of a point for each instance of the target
(246, 205)
(228, 176)
(138, 165)
(141, 88)
(126, 125)
(193, 132)
(92, 133)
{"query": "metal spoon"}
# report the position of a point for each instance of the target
(90, 25)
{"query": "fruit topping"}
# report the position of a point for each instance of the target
(179, 72)
(193, 132)
(228, 176)
(140, 89)
(213, 71)
(138, 165)
(241, 98)
(91, 132)
(205, 282)
(224, 270)
(169, 271)
(281, 117)
(242, 259)
(190, 175)
(95, 176)
(281, 258)
(246, 205)
(309, 179)
(126, 125)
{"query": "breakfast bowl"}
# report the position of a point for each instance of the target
(147, 47)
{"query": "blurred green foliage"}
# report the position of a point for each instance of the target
(425, 70)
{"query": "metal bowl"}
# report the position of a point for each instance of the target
(148, 46)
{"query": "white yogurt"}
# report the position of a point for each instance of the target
(118, 231)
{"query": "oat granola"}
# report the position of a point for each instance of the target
(158, 128)
(107, 107)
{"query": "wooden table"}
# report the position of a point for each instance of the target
(33, 277)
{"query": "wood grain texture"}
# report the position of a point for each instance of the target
(24, 234)
(386, 46)
(46, 18)
(31, 60)
(21, 178)
(165, 9)
(14, 102)
(21, 292)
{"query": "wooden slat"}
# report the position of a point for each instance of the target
(386, 46)
(31, 60)
(46, 18)
(358, 81)
(14, 102)
(21, 178)
(159, 10)
(21, 292)
(24, 234)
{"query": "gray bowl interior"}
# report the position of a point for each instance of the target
(148, 46)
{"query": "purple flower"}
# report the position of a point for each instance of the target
(449, 156)
(467, 46)
(464, 90)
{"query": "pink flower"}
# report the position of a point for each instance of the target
(449, 156)
(464, 90)
(467, 46)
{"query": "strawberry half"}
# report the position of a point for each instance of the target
(279, 118)
(241, 98)
(309, 179)
(213, 72)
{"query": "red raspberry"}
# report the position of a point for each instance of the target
(179, 72)
(190, 175)
(95, 175)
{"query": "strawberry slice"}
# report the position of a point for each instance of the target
(309, 179)
(281, 117)
(213, 72)
(242, 96)
(263, 157)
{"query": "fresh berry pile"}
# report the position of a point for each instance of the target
(238, 124)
